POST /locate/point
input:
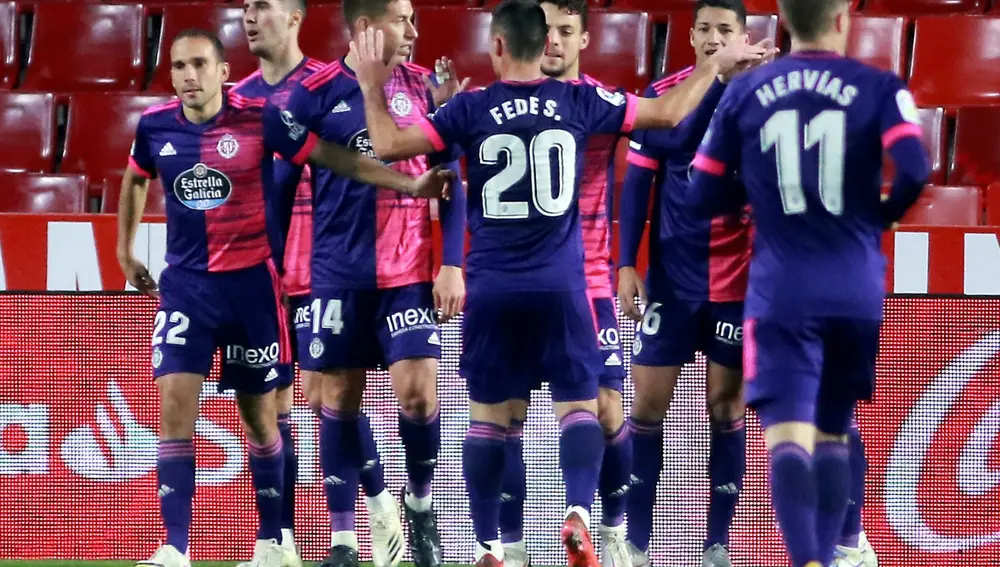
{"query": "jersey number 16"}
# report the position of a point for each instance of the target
(538, 158)
(828, 129)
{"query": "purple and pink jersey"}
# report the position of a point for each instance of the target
(297, 238)
(363, 237)
(595, 206)
(214, 176)
(692, 258)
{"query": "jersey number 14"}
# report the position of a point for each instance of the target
(537, 158)
(784, 132)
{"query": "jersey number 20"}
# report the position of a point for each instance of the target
(828, 129)
(537, 158)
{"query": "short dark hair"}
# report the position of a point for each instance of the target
(522, 24)
(575, 7)
(736, 6)
(354, 9)
(808, 19)
(220, 51)
(298, 5)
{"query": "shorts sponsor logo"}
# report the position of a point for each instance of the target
(302, 320)
(413, 319)
(609, 338)
(316, 348)
(729, 333)
(250, 357)
(202, 188)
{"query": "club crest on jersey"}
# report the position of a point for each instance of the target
(616, 99)
(202, 188)
(401, 104)
(228, 146)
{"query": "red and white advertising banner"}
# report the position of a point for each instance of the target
(77, 253)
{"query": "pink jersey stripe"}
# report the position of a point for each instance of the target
(241, 102)
(169, 105)
(307, 148)
(323, 76)
(708, 165)
(728, 259)
(142, 172)
(298, 248)
(749, 350)
(432, 134)
(900, 131)
(631, 109)
(419, 69)
(672, 80)
(642, 161)
(284, 336)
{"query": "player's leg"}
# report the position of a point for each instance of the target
(782, 364)
(337, 355)
(411, 343)
(850, 349)
(183, 344)
(727, 433)
(853, 548)
(514, 488)
(665, 340)
(571, 367)
(616, 465)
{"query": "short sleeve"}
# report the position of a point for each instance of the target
(140, 156)
(899, 115)
(642, 154)
(719, 151)
(604, 111)
(289, 132)
(449, 124)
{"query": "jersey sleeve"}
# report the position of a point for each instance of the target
(604, 111)
(902, 138)
(718, 158)
(899, 115)
(290, 132)
(140, 156)
(448, 126)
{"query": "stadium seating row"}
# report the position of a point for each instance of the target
(68, 47)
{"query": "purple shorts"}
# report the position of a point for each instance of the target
(367, 328)
(813, 370)
(673, 330)
(515, 341)
(611, 374)
(239, 312)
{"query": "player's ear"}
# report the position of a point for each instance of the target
(224, 71)
(691, 36)
(496, 45)
(361, 24)
(584, 40)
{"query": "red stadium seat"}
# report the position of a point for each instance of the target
(86, 47)
(28, 123)
(879, 41)
(771, 6)
(459, 34)
(10, 52)
(942, 205)
(226, 21)
(42, 193)
(620, 49)
(325, 35)
(932, 120)
(472, 3)
(156, 203)
(680, 54)
(654, 5)
(993, 205)
(976, 160)
(99, 131)
(951, 64)
(922, 7)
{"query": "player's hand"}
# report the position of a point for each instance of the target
(734, 54)
(630, 286)
(449, 293)
(435, 183)
(137, 275)
(368, 50)
(448, 83)
(895, 225)
(768, 56)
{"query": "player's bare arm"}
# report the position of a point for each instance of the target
(433, 184)
(667, 110)
(131, 204)
(389, 142)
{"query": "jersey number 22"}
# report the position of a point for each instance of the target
(783, 131)
(538, 158)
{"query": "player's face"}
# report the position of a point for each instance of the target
(196, 72)
(566, 40)
(269, 26)
(398, 29)
(714, 28)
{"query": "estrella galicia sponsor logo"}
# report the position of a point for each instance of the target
(361, 143)
(202, 188)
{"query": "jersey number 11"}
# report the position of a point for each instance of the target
(828, 129)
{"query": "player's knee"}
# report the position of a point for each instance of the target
(260, 416)
(178, 405)
(415, 383)
(609, 410)
(340, 390)
(654, 389)
(284, 399)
